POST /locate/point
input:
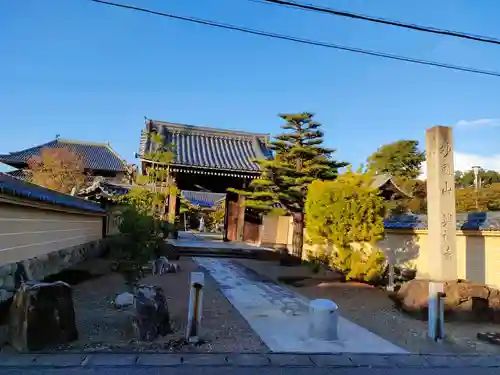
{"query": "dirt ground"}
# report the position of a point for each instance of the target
(371, 308)
(102, 327)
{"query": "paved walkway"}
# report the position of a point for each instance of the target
(280, 317)
(209, 241)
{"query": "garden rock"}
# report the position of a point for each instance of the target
(464, 300)
(151, 318)
(162, 266)
(42, 315)
(124, 300)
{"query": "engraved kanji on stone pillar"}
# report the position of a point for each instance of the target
(441, 213)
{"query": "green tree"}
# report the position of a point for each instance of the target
(299, 159)
(400, 159)
(217, 216)
(467, 179)
(346, 215)
(482, 200)
(157, 177)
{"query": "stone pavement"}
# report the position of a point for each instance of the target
(281, 317)
(406, 362)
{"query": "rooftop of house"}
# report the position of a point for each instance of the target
(103, 188)
(96, 156)
(384, 179)
(208, 148)
(17, 188)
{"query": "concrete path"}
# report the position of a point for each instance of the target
(209, 241)
(280, 317)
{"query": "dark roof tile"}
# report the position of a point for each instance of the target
(202, 198)
(19, 188)
(96, 156)
(209, 148)
(465, 221)
(101, 188)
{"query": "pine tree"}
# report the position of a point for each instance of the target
(299, 159)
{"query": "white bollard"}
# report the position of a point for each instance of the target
(323, 320)
(196, 284)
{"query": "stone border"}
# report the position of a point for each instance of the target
(344, 360)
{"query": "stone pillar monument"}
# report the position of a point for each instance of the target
(441, 214)
(441, 220)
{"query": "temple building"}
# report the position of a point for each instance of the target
(100, 160)
(389, 189)
(208, 160)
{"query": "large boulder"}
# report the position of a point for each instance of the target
(464, 300)
(151, 318)
(42, 315)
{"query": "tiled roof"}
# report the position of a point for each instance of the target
(201, 198)
(101, 188)
(208, 148)
(19, 188)
(22, 174)
(381, 179)
(465, 221)
(96, 156)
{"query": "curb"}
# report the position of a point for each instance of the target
(346, 360)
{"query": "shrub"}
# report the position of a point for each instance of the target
(139, 242)
(344, 220)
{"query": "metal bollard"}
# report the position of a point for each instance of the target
(323, 320)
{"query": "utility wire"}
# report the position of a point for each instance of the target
(300, 40)
(427, 29)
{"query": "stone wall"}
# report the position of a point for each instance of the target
(44, 238)
(39, 267)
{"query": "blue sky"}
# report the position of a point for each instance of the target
(90, 72)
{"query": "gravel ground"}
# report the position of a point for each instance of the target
(102, 327)
(371, 308)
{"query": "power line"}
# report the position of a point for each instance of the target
(300, 40)
(427, 29)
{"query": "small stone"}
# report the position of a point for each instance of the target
(124, 300)
(42, 315)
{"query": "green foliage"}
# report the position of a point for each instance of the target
(158, 178)
(467, 179)
(140, 238)
(401, 158)
(216, 217)
(299, 160)
(144, 201)
(347, 215)
(485, 199)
